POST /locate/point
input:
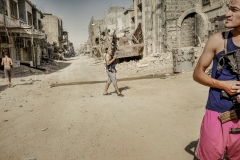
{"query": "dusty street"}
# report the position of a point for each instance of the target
(157, 119)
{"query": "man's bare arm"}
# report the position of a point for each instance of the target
(11, 62)
(199, 75)
(108, 61)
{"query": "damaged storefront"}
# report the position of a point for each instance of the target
(25, 46)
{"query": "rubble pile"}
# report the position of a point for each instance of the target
(23, 71)
(128, 50)
(159, 63)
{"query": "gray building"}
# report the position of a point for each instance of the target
(53, 27)
(21, 31)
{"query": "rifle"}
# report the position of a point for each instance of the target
(233, 59)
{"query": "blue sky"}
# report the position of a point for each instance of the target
(76, 14)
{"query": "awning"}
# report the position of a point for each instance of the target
(25, 32)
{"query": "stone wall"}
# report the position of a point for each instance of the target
(216, 12)
(51, 28)
(173, 10)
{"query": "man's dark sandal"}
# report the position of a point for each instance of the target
(120, 95)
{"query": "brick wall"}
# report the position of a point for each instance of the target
(173, 10)
(187, 34)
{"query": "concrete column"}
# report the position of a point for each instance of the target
(144, 27)
(154, 27)
(136, 14)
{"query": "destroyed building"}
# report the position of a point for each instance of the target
(21, 31)
(56, 36)
(116, 29)
(129, 24)
(169, 26)
(53, 27)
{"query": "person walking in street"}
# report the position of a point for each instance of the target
(110, 60)
(7, 63)
(216, 139)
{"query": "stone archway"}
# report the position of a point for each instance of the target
(193, 28)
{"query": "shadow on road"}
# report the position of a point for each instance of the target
(161, 76)
(121, 89)
(3, 87)
(26, 70)
(191, 148)
(27, 83)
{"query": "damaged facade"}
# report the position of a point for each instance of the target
(57, 37)
(170, 26)
(22, 33)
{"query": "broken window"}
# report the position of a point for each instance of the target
(4, 39)
(40, 25)
(97, 40)
(4, 50)
(34, 18)
(140, 5)
(29, 18)
(3, 7)
(13, 8)
(21, 8)
(19, 42)
(133, 19)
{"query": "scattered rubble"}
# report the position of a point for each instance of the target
(156, 63)
(30, 159)
(44, 129)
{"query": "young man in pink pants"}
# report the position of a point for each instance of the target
(215, 136)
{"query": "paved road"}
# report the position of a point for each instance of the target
(157, 118)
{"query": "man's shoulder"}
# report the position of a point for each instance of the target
(218, 35)
(217, 38)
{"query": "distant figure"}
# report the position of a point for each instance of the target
(111, 71)
(7, 63)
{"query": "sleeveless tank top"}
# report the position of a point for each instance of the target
(112, 66)
(215, 102)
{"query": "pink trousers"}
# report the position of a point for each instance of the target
(215, 138)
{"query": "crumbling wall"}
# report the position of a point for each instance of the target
(51, 28)
(114, 19)
(216, 11)
(187, 34)
(173, 10)
(148, 26)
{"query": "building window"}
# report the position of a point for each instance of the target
(4, 39)
(29, 18)
(13, 8)
(40, 25)
(22, 10)
(3, 7)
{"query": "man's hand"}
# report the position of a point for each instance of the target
(238, 98)
(231, 87)
(115, 57)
